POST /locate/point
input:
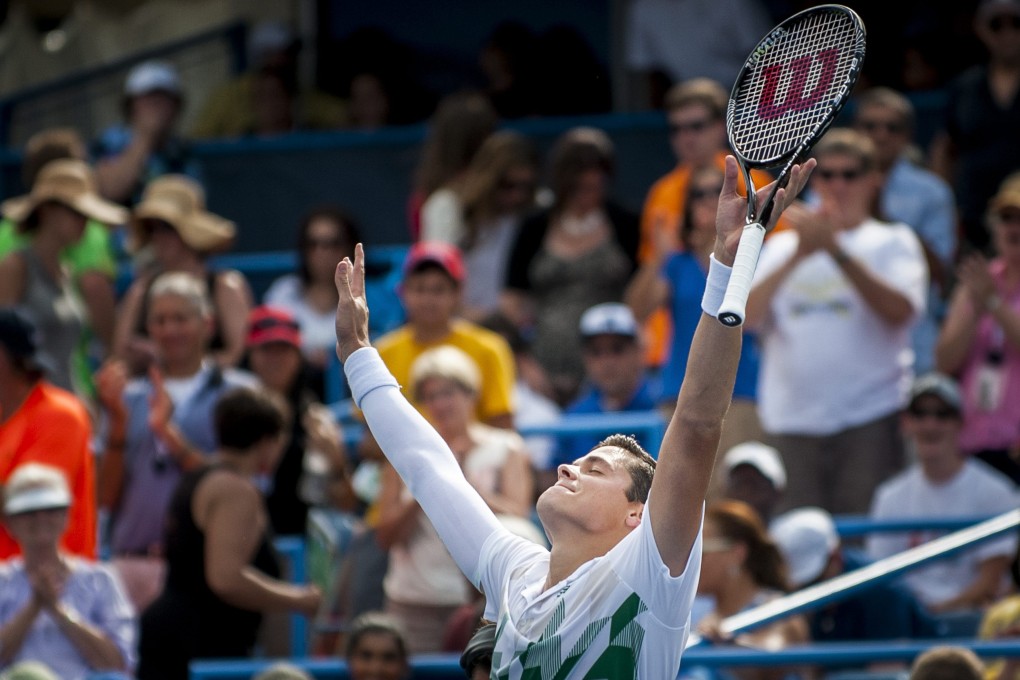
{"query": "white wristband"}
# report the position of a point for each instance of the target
(366, 372)
(715, 286)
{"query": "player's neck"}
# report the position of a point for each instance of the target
(570, 552)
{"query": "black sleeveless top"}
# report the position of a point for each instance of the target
(234, 628)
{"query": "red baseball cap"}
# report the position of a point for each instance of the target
(272, 324)
(443, 254)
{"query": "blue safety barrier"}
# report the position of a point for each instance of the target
(292, 548)
(447, 666)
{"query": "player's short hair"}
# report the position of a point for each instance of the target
(848, 142)
(703, 91)
(947, 663)
(640, 465)
(888, 98)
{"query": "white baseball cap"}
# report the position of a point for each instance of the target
(762, 457)
(152, 76)
(33, 486)
(609, 318)
(807, 538)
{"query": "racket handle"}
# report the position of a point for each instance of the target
(732, 311)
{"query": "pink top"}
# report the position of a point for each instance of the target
(987, 426)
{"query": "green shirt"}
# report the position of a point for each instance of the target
(92, 252)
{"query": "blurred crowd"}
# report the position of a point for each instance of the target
(159, 429)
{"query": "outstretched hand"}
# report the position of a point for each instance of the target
(352, 308)
(729, 220)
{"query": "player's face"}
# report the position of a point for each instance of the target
(591, 493)
(377, 657)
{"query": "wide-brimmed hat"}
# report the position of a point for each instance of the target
(180, 202)
(69, 182)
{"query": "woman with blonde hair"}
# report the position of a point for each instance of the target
(497, 190)
(423, 585)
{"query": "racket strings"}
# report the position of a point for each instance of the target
(794, 86)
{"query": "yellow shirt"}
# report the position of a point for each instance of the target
(490, 351)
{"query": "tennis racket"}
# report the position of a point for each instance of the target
(788, 93)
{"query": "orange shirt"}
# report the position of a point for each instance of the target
(53, 428)
(663, 210)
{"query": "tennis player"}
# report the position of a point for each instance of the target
(612, 597)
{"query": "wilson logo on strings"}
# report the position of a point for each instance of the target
(796, 97)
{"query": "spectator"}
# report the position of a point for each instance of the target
(28, 670)
(532, 403)
(742, 568)
(615, 378)
(947, 663)
(431, 292)
(673, 42)
(1002, 622)
(130, 155)
(54, 215)
(68, 612)
(423, 585)
(976, 149)
(268, 92)
(944, 483)
(980, 340)
(508, 61)
(577, 253)
(222, 573)
(755, 474)
(811, 546)
(172, 227)
(282, 671)
(376, 649)
(167, 425)
(676, 281)
(483, 216)
(314, 452)
(916, 197)
(460, 124)
(834, 299)
(325, 236)
(477, 657)
(42, 423)
(696, 113)
(90, 261)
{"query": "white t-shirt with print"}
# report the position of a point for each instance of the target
(829, 362)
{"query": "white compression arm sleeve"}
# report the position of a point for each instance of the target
(423, 460)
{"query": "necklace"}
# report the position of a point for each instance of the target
(581, 226)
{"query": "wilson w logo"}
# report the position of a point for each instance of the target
(796, 99)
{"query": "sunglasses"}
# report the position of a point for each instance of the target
(693, 126)
(876, 125)
(845, 175)
(936, 413)
(996, 24)
(1008, 217)
(714, 545)
(699, 193)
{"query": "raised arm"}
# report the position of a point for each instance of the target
(416, 451)
(688, 450)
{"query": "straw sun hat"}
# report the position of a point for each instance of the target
(68, 182)
(180, 202)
